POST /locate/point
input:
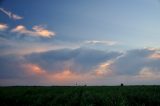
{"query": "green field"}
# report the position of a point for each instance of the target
(80, 96)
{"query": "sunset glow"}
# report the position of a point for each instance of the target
(34, 69)
(155, 56)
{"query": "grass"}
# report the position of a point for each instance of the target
(80, 96)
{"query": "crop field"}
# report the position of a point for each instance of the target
(80, 96)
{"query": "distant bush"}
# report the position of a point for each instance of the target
(122, 84)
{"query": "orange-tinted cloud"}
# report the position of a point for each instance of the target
(34, 69)
(148, 73)
(60, 77)
(3, 27)
(36, 31)
(104, 69)
(155, 56)
(65, 75)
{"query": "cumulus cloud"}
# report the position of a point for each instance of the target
(155, 56)
(79, 60)
(11, 67)
(15, 70)
(105, 42)
(11, 15)
(65, 66)
(36, 31)
(19, 72)
(3, 27)
(57, 65)
(135, 62)
(104, 69)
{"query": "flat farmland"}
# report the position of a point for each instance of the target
(80, 96)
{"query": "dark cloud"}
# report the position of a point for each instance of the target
(11, 67)
(15, 70)
(133, 61)
(23, 69)
(79, 60)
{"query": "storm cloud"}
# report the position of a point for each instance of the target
(51, 66)
(63, 64)
(134, 61)
(11, 67)
(80, 60)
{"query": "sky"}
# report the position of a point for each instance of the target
(88, 42)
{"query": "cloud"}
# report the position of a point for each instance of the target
(134, 62)
(36, 31)
(104, 69)
(155, 56)
(3, 27)
(11, 67)
(79, 60)
(146, 72)
(74, 60)
(33, 69)
(10, 46)
(67, 66)
(105, 42)
(15, 70)
(11, 15)
(58, 66)
(65, 75)
(32, 74)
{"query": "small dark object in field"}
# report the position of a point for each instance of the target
(122, 84)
